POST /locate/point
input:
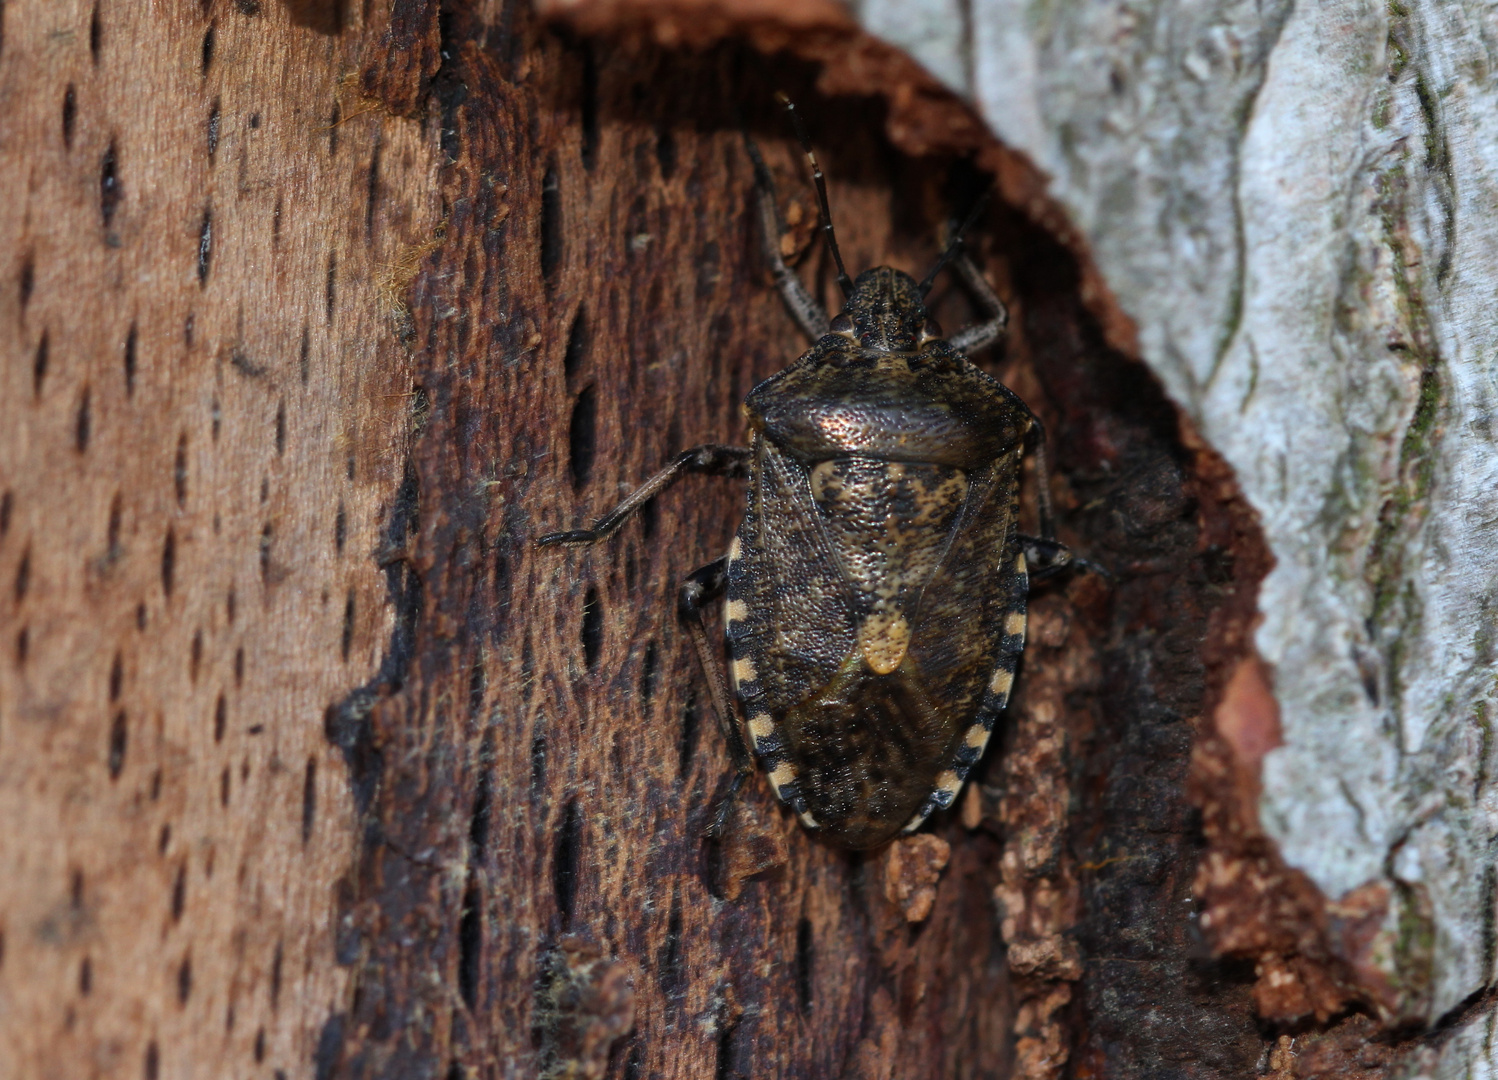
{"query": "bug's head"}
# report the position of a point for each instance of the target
(886, 311)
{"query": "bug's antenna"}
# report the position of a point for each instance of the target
(955, 243)
(843, 280)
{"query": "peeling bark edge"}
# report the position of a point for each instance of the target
(925, 117)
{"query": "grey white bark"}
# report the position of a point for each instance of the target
(1297, 205)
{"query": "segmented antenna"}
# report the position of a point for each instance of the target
(955, 243)
(843, 280)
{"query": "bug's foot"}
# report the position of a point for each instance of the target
(719, 822)
(574, 538)
(1087, 566)
(1045, 558)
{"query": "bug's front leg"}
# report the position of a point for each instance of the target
(1044, 557)
(701, 588)
(803, 306)
(1044, 554)
(979, 335)
(712, 458)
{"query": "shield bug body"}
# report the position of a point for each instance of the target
(876, 589)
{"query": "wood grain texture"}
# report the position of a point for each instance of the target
(503, 874)
(205, 412)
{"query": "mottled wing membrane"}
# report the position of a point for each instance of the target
(970, 628)
(788, 620)
(804, 626)
(963, 606)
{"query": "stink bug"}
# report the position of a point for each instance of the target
(876, 589)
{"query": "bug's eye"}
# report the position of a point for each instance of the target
(841, 324)
(932, 329)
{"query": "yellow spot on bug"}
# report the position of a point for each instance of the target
(761, 726)
(1020, 566)
(809, 821)
(1014, 623)
(736, 549)
(743, 671)
(884, 639)
(948, 781)
(977, 736)
(781, 776)
(826, 485)
(1001, 683)
(736, 611)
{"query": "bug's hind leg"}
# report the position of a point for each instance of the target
(1047, 557)
(803, 306)
(979, 335)
(1044, 557)
(701, 588)
(712, 459)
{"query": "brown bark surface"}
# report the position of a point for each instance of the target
(314, 765)
(205, 415)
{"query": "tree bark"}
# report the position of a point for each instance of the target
(316, 316)
(206, 413)
(1285, 212)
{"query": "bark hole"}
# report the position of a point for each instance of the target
(205, 245)
(565, 851)
(577, 342)
(331, 287)
(179, 882)
(110, 191)
(551, 225)
(592, 628)
(346, 639)
(168, 563)
(277, 959)
(39, 358)
(95, 35)
(130, 346)
(213, 127)
(118, 737)
(581, 434)
(69, 115)
(649, 672)
(83, 422)
(309, 800)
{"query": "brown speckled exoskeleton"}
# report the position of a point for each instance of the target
(876, 589)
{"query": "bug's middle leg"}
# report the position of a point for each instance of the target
(1044, 557)
(712, 458)
(701, 588)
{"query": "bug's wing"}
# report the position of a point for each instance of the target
(789, 622)
(969, 628)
